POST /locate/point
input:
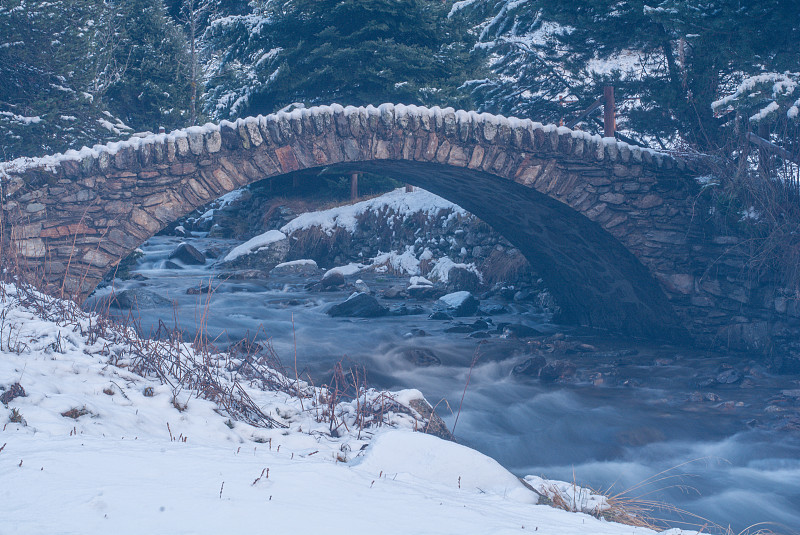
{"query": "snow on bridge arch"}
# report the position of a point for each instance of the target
(608, 226)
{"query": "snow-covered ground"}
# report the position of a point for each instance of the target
(95, 448)
(399, 203)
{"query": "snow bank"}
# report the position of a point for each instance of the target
(413, 457)
(95, 448)
(398, 202)
(255, 244)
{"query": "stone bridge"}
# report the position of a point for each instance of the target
(615, 231)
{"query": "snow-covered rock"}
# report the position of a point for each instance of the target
(305, 267)
(460, 303)
(264, 252)
(256, 244)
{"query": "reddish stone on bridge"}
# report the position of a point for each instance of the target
(613, 229)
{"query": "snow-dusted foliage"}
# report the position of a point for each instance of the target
(87, 71)
(668, 60)
(520, 49)
(52, 62)
(321, 51)
(242, 58)
(763, 97)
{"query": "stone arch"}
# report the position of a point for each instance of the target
(592, 215)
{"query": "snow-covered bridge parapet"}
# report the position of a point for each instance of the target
(609, 226)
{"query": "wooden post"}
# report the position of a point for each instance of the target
(409, 188)
(295, 180)
(354, 186)
(764, 156)
(609, 113)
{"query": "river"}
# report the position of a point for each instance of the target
(727, 452)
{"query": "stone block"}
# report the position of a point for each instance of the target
(252, 130)
(649, 201)
(183, 168)
(98, 258)
(104, 161)
(489, 131)
(73, 229)
(34, 207)
(476, 159)
(182, 146)
(443, 151)
(287, 159)
(145, 153)
(213, 141)
(196, 143)
(159, 151)
(612, 198)
(20, 232)
(145, 221)
(611, 151)
(31, 248)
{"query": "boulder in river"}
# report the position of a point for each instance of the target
(530, 367)
(517, 330)
(460, 304)
(460, 328)
(188, 255)
(262, 252)
(405, 310)
(332, 279)
(395, 292)
(361, 286)
(201, 288)
(728, 377)
(421, 356)
(557, 370)
(303, 268)
(138, 298)
(358, 305)
(462, 279)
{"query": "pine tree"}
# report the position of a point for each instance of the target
(670, 59)
(49, 64)
(528, 78)
(349, 51)
(156, 87)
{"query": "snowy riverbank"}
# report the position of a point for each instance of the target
(94, 448)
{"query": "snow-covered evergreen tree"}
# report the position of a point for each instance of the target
(49, 67)
(526, 77)
(156, 87)
(322, 51)
(669, 59)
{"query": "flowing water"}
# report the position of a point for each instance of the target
(631, 410)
